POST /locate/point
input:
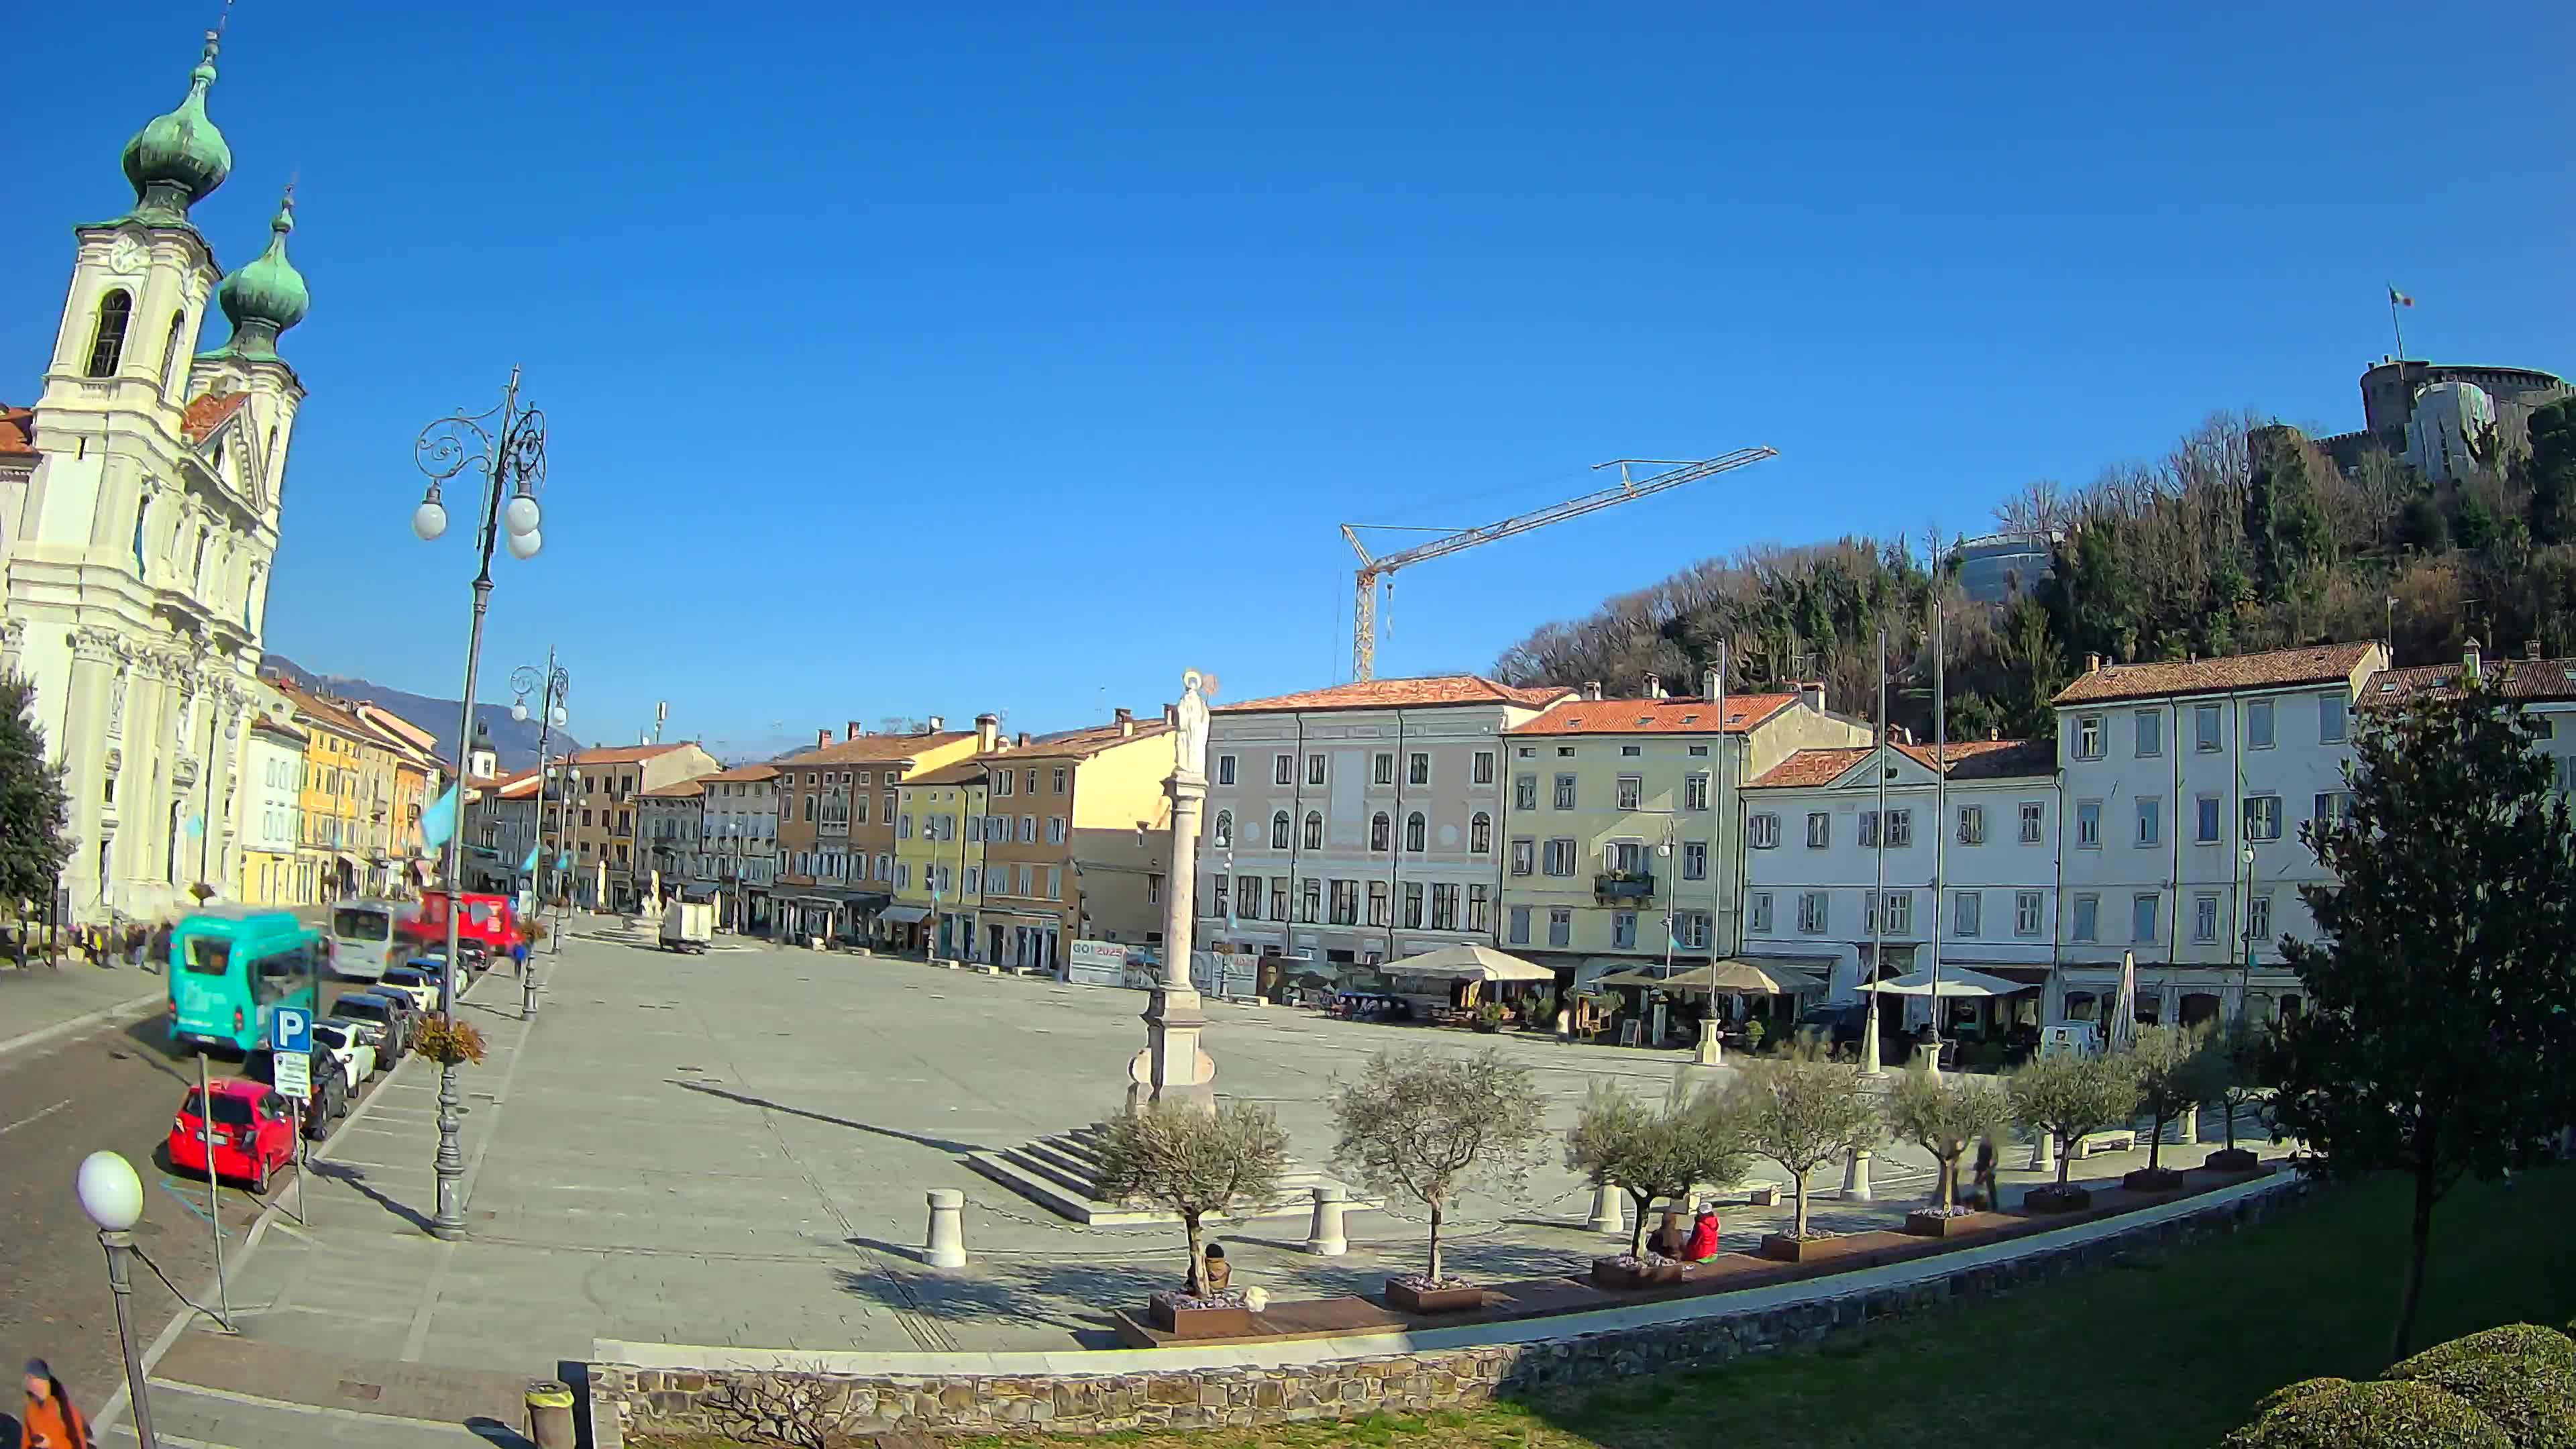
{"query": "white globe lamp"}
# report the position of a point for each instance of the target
(429, 520)
(110, 1192)
(525, 545)
(520, 515)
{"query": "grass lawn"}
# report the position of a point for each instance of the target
(2170, 1350)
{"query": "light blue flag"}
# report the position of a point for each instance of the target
(530, 867)
(563, 861)
(439, 821)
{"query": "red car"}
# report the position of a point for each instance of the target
(253, 1134)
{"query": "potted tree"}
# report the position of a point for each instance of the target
(2229, 1073)
(1619, 1141)
(2066, 1096)
(1193, 1162)
(2163, 1061)
(1801, 1109)
(1944, 1115)
(1431, 1128)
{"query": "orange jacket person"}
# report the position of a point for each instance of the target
(50, 1421)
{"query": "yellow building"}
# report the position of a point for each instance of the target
(1078, 838)
(339, 775)
(417, 774)
(939, 858)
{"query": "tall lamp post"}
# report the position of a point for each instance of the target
(507, 446)
(549, 684)
(113, 1197)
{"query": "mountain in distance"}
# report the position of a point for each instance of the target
(514, 741)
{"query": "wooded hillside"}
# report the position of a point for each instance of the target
(2243, 537)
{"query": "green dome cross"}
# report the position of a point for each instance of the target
(178, 158)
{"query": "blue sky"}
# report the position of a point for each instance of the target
(930, 359)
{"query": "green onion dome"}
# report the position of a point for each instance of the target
(178, 158)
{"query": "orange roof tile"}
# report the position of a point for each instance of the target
(1085, 743)
(2529, 679)
(207, 412)
(2276, 669)
(872, 749)
(17, 432)
(746, 772)
(1672, 715)
(1969, 760)
(679, 790)
(626, 754)
(1433, 689)
(964, 772)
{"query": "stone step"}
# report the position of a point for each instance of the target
(1036, 1163)
(1068, 1194)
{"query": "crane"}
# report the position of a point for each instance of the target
(1364, 605)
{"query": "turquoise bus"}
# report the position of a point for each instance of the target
(229, 969)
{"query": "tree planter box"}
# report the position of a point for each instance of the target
(1404, 1297)
(2152, 1179)
(1612, 1274)
(2232, 1159)
(1925, 1224)
(2054, 1199)
(1781, 1248)
(1167, 1314)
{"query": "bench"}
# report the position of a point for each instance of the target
(1763, 1193)
(2118, 1139)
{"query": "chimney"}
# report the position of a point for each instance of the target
(1993, 734)
(2092, 663)
(1654, 685)
(1126, 721)
(2469, 659)
(2531, 647)
(1592, 689)
(1811, 693)
(988, 727)
(1024, 739)
(1172, 715)
(1708, 685)
(934, 724)
(822, 738)
(855, 731)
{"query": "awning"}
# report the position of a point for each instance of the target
(1468, 963)
(904, 915)
(1760, 977)
(1956, 981)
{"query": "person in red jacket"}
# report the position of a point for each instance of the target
(1703, 1239)
(50, 1421)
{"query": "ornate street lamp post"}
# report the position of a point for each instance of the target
(507, 446)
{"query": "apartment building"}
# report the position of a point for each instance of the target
(600, 811)
(2544, 688)
(1077, 837)
(1816, 843)
(414, 775)
(272, 813)
(670, 824)
(2183, 786)
(837, 808)
(1619, 827)
(740, 856)
(1359, 824)
(939, 859)
(346, 767)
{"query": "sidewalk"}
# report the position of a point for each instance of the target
(46, 1003)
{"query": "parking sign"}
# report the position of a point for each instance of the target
(290, 1031)
(294, 1075)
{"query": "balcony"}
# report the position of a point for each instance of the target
(1624, 885)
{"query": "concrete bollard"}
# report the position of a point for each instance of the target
(1856, 1177)
(2043, 1152)
(2187, 1126)
(947, 1247)
(1609, 1209)
(1325, 1237)
(550, 1415)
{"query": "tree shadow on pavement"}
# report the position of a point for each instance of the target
(939, 1143)
(356, 1178)
(1070, 1297)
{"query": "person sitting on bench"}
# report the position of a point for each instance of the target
(1703, 1239)
(1219, 1273)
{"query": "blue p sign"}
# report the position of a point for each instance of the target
(290, 1030)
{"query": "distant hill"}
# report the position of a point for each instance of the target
(514, 741)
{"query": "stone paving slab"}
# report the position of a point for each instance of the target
(48, 1003)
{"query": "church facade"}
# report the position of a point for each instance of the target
(138, 544)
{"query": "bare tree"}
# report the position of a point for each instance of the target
(1193, 1162)
(1434, 1127)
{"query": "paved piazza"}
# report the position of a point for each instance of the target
(734, 1149)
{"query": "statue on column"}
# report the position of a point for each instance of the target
(1172, 1063)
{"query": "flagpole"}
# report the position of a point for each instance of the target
(1940, 805)
(2395, 300)
(1869, 1047)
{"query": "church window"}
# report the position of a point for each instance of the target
(170, 352)
(107, 347)
(140, 509)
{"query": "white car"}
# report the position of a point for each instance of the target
(357, 1058)
(418, 983)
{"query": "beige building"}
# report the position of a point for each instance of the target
(1077, 836)
(610, 871)
(838, 806)
(137, 542)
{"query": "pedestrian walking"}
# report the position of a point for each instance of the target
(1986, 1194)
(50, 1421)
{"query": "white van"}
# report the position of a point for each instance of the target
(2082, 1038)
(362, 939)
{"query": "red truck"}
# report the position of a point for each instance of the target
(487, 921)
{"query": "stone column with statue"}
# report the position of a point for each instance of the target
(1173, 1066)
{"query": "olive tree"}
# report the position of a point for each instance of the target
(2068, 1095)
(1619, 1141)
(1801, 1110)
(1944, 1114)
(2165, 1062)
(1433, 1127)
(1192, 1162)
(2230, 1071)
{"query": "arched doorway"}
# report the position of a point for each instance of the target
(2198, 1007)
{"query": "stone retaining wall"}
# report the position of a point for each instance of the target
(784, 1406)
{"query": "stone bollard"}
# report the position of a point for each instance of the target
(947, 1228)
(1609, 1210)
(1856, 1177)
(550, 1415)
(2043, 1152)
(2187, 1126)
(1325, 1237)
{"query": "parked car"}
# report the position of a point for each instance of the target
(245, 1136)
(390, 1010)
(415, 979)
(404, 1007)
(329, 1103)
(347, 1046)
(373, 1033)
(2082, 1038)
